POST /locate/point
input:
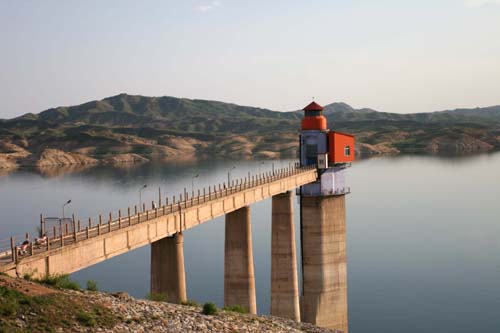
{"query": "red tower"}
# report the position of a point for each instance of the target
(331, 151)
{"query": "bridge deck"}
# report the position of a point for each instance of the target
(71, 251)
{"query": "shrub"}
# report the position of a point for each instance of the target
(209, 309)
(157, 297)
(86, 318)
(92, 285)
(236, 308)
(61, 281)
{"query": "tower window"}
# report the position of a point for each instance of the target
(347, 151)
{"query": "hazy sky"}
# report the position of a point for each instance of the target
(395, 56)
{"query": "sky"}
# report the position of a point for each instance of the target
(395, 56)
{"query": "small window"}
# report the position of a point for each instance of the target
(312, 151)
(347, 151)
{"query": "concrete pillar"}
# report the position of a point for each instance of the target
(167, 268)
(324, 289)
(239, 277)
(284, 282)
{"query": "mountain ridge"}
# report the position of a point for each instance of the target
(170, 127)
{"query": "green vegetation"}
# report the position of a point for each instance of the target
(48, 312)
(61, 281)
(210, 309)
(235, 308)
(157, 297)
(190, 302)
(86, 318)
(92, 285)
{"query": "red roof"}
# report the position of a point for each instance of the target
(313, 107)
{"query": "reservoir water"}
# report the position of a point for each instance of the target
(423, 234)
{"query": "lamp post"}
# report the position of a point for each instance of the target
(140, 195)
(192, 182)
(67, 203)
(229, 176)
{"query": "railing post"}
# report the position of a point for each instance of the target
(74, 231)
(78, 225)
(159, 197)
(147, 215)
(129, 219)
(135, 209)
(54, 231)
(87, 232)
(90, 222)
(100, 219)
(98, 229)
(119, 218)
(143, 207)
(109, 222)
(12, 249)
(61, 233)
(42, 226)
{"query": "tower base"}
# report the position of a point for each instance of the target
(324, 270)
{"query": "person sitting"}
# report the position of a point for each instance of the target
(42, 240)
(23, 249)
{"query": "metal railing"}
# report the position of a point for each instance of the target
(62, 232)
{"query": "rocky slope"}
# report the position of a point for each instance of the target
(131, 128)
(30, 307)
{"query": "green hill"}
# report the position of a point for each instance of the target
(183, 128)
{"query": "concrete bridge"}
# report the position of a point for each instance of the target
(324, 290)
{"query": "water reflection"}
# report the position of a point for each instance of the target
(422, 235)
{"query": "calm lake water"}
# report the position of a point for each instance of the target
(423, 235)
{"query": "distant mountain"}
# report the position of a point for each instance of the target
(126, 127)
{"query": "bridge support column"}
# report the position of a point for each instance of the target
(324, 292)
(239, 278)
(284, 282)
(167, 268)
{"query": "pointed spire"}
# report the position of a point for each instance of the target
(313, 106)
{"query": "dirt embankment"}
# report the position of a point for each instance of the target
(30, 307)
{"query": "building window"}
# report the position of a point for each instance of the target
(347, 151)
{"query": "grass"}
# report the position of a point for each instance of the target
(157, 297)
(61, 281)
(190, 302)
(235, 308)
(210, 309)
(48, 313)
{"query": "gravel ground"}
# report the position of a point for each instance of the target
(148, 316)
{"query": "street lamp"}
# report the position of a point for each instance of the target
(140, 195)
(192, 182)
(67, 203)
(229, 176)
